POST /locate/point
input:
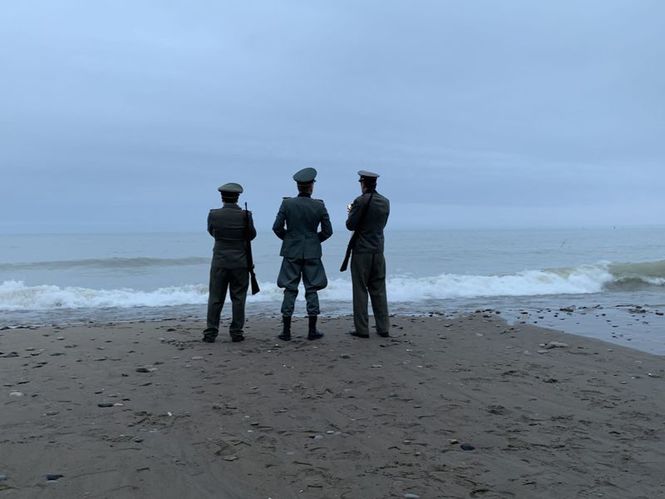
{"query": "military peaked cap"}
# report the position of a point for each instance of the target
(230, 188)
(305, 176)
(365, 175)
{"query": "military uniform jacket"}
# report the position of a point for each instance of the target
(302, 216)
(370, 230)
(227, 226)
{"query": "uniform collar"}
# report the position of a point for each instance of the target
(304, 195)
(233, 206)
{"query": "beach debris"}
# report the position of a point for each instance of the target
(51, 477)
(496, 409)
(230, 458)
(568, 309)
(15, 394)
(145, 369)
(345, 356)
(51, 413)
(652, 375)
(550, 380)
(3, 478)
(554, 344)
(411, 496)
(453, 441)
(467, 447)
(105, 404)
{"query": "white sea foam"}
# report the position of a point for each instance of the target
(15, 295)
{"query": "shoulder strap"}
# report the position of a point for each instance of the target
(352, 241)
(363, 215)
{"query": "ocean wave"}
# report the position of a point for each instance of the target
(584, 279)
(631, 275)
(106, 263)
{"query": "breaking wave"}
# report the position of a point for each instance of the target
(584, 279)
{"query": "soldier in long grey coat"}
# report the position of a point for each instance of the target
(296, 224)
(231, 226)
(368, 215)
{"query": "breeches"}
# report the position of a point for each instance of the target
(313, 276)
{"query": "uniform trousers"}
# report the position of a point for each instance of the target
(313, 277)
(368, 275)
(236, 281)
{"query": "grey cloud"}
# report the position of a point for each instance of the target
(508, 109)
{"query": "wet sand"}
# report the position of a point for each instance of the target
(447, 407)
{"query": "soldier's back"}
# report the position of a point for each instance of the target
(303, 214)
(228, 226)
(370, 231)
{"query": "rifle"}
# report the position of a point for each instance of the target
(250, 258)
(354, 236)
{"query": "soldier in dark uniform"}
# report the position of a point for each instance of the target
(230, 226)
(368, 215)
(301, 249)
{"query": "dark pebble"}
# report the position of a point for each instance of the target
(53, 476)
(142, 370)
(467, 447)
(105, 404)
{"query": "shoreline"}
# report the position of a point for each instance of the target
(147, 409)
(634, 326)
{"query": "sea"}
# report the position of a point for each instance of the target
(607, 283)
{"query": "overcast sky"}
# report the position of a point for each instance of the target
(127, 115)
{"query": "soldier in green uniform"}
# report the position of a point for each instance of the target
(368, 215)
(231, 226)
(301, 249)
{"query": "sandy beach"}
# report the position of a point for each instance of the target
(448, 407)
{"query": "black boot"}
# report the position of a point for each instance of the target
(313, 333)
(286, 328)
